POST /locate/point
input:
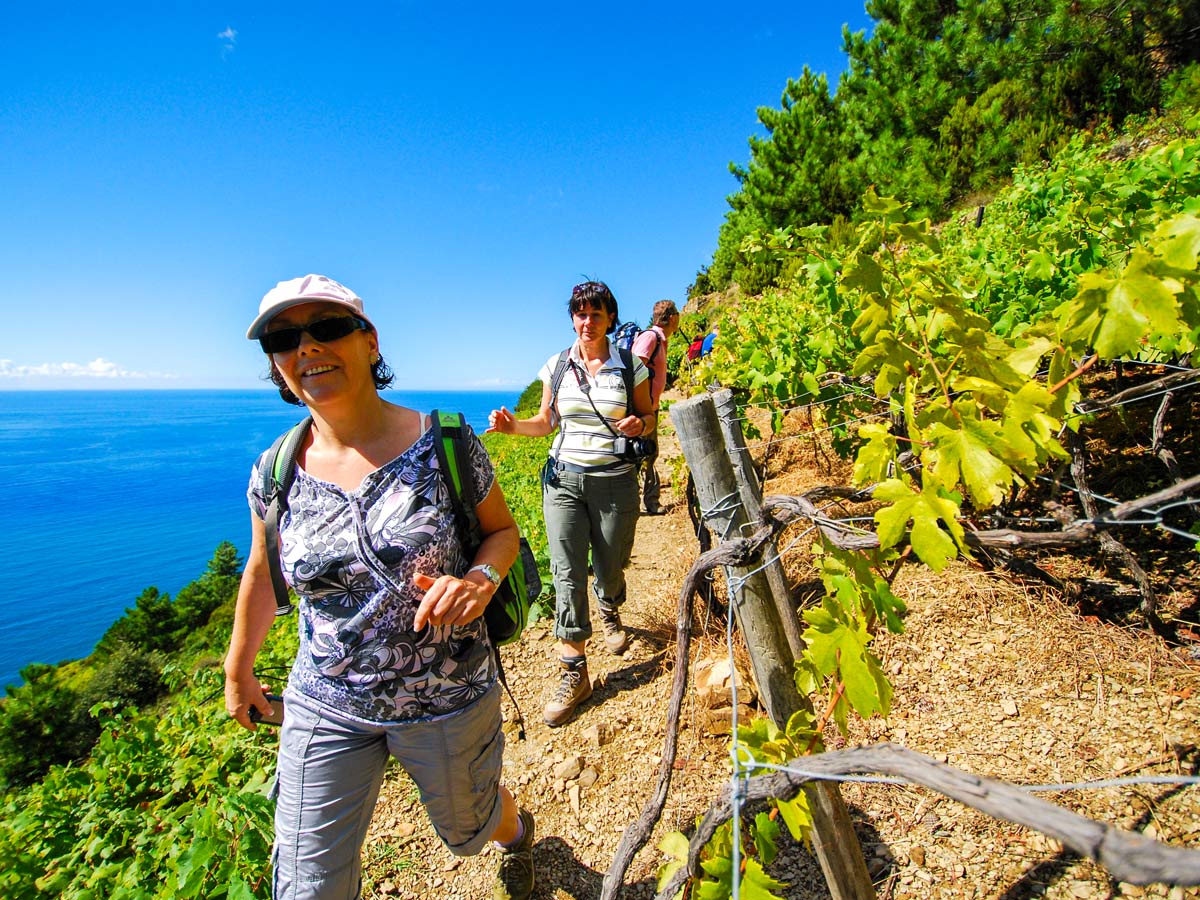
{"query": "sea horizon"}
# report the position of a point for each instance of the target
(114, 491)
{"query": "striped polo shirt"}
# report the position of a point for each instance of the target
(583, 440)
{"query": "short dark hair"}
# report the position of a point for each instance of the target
(381, 372)
(594, 293)
(663, 310)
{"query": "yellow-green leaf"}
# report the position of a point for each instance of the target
(875, 457)
(935, 535)
(1180, 238)
(965, 455)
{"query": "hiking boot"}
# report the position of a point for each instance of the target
(615, 638)
(574, 687)
(514, 878)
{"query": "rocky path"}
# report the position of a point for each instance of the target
(988, 676)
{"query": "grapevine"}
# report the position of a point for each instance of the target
(975, 342)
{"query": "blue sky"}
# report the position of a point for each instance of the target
(460, 166)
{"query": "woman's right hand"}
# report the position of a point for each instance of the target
(241, 694)
(502, 421)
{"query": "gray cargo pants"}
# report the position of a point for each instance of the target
(599, 512)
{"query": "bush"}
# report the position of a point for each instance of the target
(130, 677)
(530, 401)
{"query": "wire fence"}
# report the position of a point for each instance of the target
(744, 765)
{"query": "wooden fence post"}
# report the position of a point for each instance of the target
(751, 494)
(836, 845)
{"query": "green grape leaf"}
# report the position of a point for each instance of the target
(872, 318)
(1147, 292)
(1026, 360)
(719, 884)
(936, 534)
(756, 884)
(766, 832)
(965, 454)
(880, 206)
(675, 845)
(1040, 266)
(1134, 303)
(1029, 431)
(863, 272)
(797, 816)
(839, 644)
(919, 233)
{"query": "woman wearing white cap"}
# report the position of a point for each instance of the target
(394, 657)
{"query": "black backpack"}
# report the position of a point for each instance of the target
(627, 333)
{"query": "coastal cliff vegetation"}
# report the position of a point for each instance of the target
(1055, 146)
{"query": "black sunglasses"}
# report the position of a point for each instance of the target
(323, 331)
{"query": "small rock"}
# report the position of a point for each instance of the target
(451, 864)
(405, 829)
(569, 768)
(588, 777)
(597, 735)
(1008, 707)
(573, 798)
(917, 855)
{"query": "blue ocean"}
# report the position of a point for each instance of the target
(111, 492)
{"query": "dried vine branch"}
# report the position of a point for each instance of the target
(729, 553)
(780, 511)
(1158, 432)
(1175, 381)
(1130, 857)
(1109, 544)
(1129, 507)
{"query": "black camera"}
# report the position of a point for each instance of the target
(632, 449)
(276, 716)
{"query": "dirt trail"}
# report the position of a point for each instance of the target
(988, 676)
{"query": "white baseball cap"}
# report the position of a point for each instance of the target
(309, 289)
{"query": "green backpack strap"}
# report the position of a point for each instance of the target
(450, 446)
(278, 471)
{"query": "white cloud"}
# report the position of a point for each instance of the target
(97, 368)
(228, 39)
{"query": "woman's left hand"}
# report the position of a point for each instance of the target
(449, 600)
(632, 426)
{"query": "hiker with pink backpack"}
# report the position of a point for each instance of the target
(650, 346)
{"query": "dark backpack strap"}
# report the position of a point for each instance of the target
(278, 472)
(556, 377)
(627, 374)
(654, 356)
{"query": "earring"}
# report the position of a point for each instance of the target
(375, 359)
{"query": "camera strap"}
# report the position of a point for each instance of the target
(586, 387)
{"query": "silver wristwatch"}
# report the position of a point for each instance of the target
(489, 572)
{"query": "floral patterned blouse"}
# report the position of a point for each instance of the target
(350, 557)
